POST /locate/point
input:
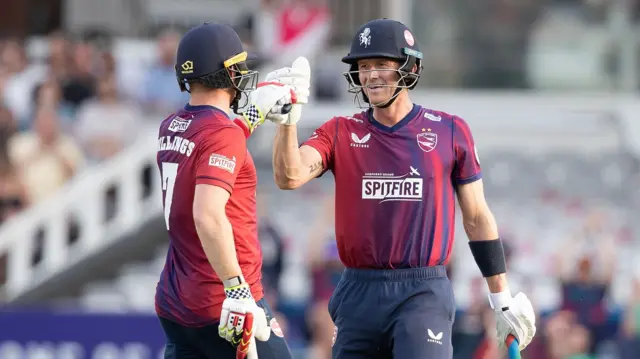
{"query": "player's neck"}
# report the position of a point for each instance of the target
(216, 99)
(393, 114)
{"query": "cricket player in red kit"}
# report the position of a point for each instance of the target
(398, 168)
(209, 297)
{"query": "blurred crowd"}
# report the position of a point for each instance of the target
(69, 111)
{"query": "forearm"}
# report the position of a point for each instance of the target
(287, 161)
(497, 283)
(216, 236)
(483, 227)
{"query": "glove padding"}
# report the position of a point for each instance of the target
(242, 319)
(298, 78)
(513, 316)
(267, 99)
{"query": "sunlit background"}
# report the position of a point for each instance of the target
(549, 88)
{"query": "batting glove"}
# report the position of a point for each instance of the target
(514, 316)
(267, 99)
(242, 319)
(298, 78)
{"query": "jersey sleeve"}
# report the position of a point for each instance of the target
(221, 157)
(467, 165)
(323, 140)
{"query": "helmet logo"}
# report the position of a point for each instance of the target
(187, 67)
(365, 37)
(409, 38)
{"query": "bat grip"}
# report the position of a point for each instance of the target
(513, 348)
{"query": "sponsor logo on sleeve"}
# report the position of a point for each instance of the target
(223, 162)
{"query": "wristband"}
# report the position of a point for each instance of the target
(489, 256)
(237, 288)
(253, 118)
(233, 281)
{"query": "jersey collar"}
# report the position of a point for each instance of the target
(413, 113)
(192, 108)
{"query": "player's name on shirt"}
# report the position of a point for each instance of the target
(176, 144)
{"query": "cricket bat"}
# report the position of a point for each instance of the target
(242, 351)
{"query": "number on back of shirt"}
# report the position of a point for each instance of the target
(169, 173)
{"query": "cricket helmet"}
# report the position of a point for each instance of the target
(213, 55)
(388, 39)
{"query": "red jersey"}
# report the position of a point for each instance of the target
(395, 186)
(201, 145)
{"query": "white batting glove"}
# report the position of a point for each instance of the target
(264, 101)
(514, 316)
(298, 77)
(242, 320)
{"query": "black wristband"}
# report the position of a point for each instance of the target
(489, 256)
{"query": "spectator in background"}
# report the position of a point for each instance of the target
(80, 84)
(4, 78)
(12, 192)
(44, 157)
(586, 280)
(102, 60)
(22, 78)
(469, 334)
(566, 338)
(630, 338)
(488, 348)
(8, 124)
(107, 124)
(59, 59)
(13, 196)
(326, 270)
(272, 245)
(48, 95)
(161, 94)
(13, 56)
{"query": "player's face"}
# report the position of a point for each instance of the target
(379, 78)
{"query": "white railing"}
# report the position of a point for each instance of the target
(45, 228)
(527, 120)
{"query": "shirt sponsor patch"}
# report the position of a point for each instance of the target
(179, 124)
(389, 187)
(224, 162)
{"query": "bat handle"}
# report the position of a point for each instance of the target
(253, 350)
(513, 348)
